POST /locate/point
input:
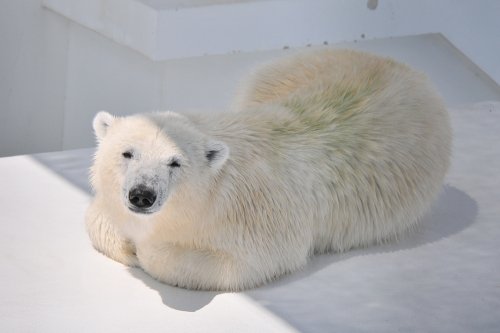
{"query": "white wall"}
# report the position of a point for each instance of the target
(33, 56)
(55, 74)
(103, 75)
(472, 26)
(173, 29)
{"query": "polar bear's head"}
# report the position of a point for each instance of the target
(142, 160)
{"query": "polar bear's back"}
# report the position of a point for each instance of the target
(370, 133)
(309, 71)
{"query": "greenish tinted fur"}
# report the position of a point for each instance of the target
(317, 113)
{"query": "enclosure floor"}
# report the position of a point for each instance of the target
(444, 277)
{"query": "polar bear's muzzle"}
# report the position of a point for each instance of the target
(146, 188)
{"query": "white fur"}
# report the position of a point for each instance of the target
(327, 151)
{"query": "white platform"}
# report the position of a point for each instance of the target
(444, 278)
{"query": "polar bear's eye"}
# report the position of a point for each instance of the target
(127, 155)
(174, 164)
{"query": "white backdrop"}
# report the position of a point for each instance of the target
(55, 74)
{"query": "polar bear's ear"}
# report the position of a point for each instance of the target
(102, 121)
(217, 153)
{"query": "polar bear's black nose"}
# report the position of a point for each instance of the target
(142, 197)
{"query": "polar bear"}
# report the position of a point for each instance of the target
(323, 151)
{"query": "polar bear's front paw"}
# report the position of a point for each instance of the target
(126, 254)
